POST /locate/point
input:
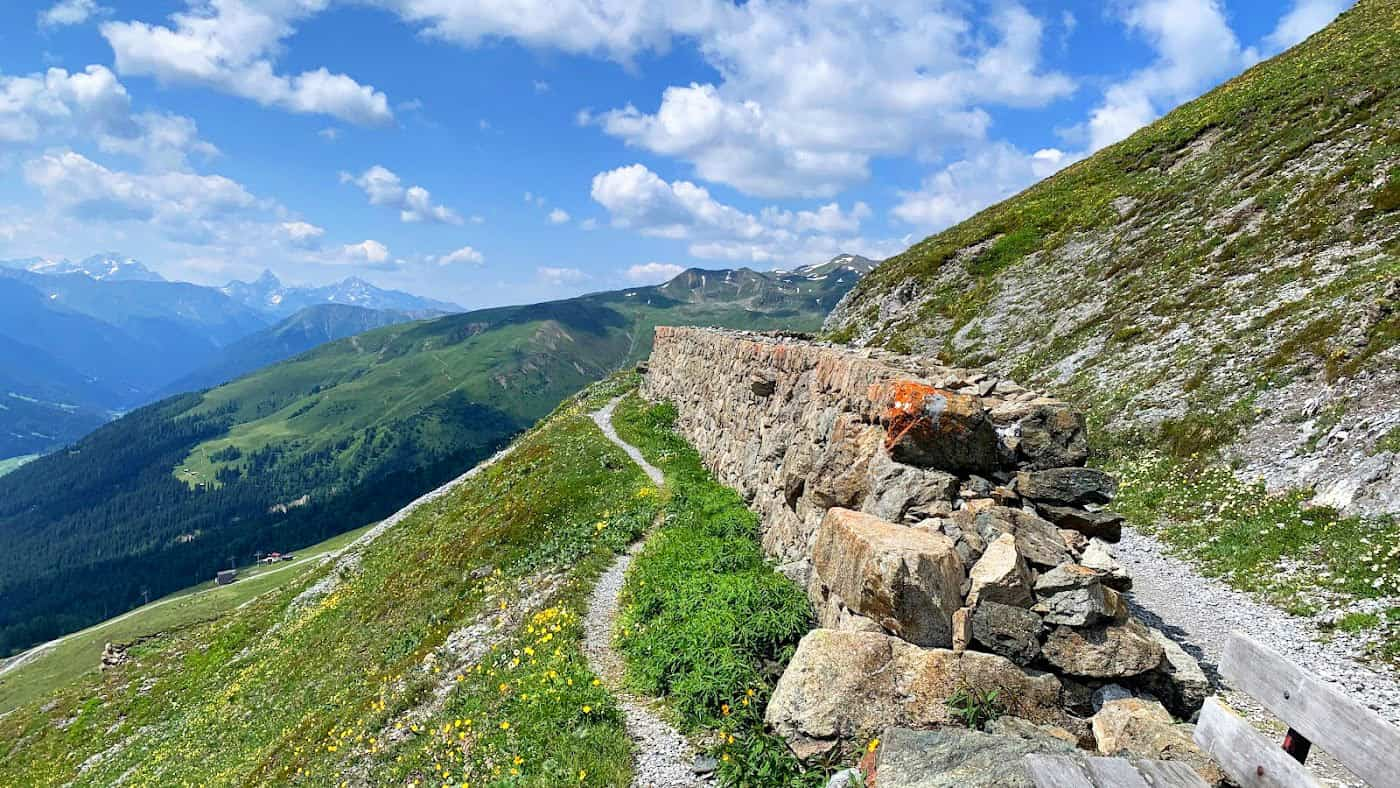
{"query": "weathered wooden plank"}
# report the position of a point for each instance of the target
(1057, 771)
(1250, 759)
(1170, 774)
(1350, 732)
(1116, 772)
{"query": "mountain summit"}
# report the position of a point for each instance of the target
(269, 294)
(108, 266)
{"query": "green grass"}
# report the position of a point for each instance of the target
(707, 623)
(10, 463)
(270, 693)
(1388, 442)
(79, 653)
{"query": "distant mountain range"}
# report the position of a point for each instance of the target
(83, 341)
(354, 427)
(268, 294)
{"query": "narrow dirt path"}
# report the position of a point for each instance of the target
(664, 758)
(1200, 613)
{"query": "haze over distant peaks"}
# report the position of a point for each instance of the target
(108, 267)
(267, 293)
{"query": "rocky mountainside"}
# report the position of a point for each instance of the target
(1224, 282)
(110, 266)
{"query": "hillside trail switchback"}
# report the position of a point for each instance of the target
(663, 757)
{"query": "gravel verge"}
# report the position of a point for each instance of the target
(1200, 613)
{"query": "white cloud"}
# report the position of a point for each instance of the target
(1302, 20)
(536, 200)
(229, 45)
(330, 134)
(638, 199)
(558, 216)
(56, 106)
(989, 175)
(652, 273)
(1195, 47)
(811, 93)
(175, 199)
(464, 255)
(415, 203)
(560, 276)
(71, 12)
(367, 251)
(541, 86)
(303, 234)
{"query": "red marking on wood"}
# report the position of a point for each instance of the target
(1297, 745)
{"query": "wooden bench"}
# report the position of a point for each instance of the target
(1316, 714)
(1069, 771)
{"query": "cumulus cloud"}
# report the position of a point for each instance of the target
(1195, 47)
(653, 273)
(177, 199)
(1302, 20)
(559, 277)
(367, 251)
(71, 12)
(811, 93)
(230, 45)
(93, 105)
(558, 216)
(414, 203)
(989, 175)
(303, 234)
(464, 255)
(640, 200)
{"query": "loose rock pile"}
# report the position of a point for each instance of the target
(948, 534)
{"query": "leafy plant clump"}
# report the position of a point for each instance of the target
(976, 706)
(707, 622)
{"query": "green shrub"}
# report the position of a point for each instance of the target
(976, 706)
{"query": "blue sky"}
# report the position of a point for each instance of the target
(502, 151)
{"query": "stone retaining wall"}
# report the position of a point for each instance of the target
(933, 515)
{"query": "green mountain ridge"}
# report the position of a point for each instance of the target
(1225, 282)
(329, 440)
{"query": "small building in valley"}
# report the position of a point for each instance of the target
(226, 576)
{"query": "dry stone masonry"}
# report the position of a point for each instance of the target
(947, 533)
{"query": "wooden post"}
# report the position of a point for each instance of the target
(1297, 745)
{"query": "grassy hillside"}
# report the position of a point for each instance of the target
(448, 649)
(1223, 286)
(329, 440)
(370, 671)
(45, 672)
(308, 328)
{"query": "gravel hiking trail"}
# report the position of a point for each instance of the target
(663, 757)
(1199, 613)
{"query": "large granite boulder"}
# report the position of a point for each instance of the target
(903, 493)
(1067, 486)
(1144, 728)
(959, 758)
(1052, 436)
(1072, 595)
(934, 428)
(1012, 632)
(1106, 651)
(851, 685)
(907, 580)
(838, 474)
(1001, 575)
(1037, 540)
(1105, 525)
(1177, 680)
